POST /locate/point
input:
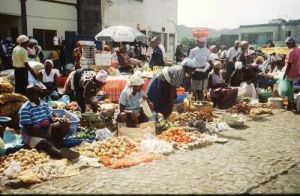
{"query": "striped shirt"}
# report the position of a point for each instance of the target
(32, 114)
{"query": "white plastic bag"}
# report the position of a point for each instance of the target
(103, 134)
(13, 170)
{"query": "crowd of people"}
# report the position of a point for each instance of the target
(211, 73)
(219, 68)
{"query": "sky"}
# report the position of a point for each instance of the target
(220, 14)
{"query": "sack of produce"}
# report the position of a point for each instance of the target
(6, 87)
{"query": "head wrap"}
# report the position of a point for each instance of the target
(243, 43)
(136, 80)
(33, 41)
(50, 62)
(101, 76)
(189, 63)
(22, 38)
(238, 65)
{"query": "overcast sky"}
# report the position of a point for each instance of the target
(232, 13)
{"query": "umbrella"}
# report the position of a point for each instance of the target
(120, 34)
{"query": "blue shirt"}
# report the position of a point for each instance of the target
(32, 114)
(129, 101)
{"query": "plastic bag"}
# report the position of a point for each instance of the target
(248, 90)
(285, 88)
(103, 134)
(13, 170)
(65, 99)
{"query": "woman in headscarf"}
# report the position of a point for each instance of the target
(162, 88)
(49, 76)
(215, 79)
(87, 84)
(32, 55)
(131, 112)
(245, 57)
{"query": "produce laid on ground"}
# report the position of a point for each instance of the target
(85, 133)
(260, 110)
(177, 135)
(240, 108)
(112, 148)
(26, 158)
(73, 106)
(187, 117)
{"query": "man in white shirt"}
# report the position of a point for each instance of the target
(162, 48)
(200, 77)
(231, 56)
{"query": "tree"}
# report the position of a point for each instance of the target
(188, 43)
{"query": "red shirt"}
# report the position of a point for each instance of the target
(293, 58)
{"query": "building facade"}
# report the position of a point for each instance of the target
(276, 31)
(155, 18)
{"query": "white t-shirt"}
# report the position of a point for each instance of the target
(201, 55)
(163, 50)
(213, 57)
(50, 77)
(232, 53)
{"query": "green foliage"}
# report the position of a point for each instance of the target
(187, 43)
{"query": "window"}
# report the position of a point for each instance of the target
(288, 33)
(44, 37)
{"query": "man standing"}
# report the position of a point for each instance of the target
(162, 48)
(21, 66)
(200, 77)
(231, 56)
(292, 65)
(157, 54)
(179, 53)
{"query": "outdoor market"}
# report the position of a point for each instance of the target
(117, 111)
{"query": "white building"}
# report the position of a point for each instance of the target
(155, 18)
(38, 18)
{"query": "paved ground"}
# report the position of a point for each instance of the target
(262, 158)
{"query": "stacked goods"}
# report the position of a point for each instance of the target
(177, 135)
(26, 158)
(10, 103)
(241, 108)
(6, 87)
(114, 86)
(187, 117)
(88, 53)
(112, 148)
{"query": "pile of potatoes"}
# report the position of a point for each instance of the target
(26, 158)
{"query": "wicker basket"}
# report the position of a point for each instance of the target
(204, 106)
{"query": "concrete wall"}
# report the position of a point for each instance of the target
(52, 16)
(10, 7)
(151, 15)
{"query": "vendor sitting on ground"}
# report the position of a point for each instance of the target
(215, 79)
(87, 83)
(39, 130)
(131, 112)
(49, 76)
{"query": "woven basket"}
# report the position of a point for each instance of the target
(205, 106)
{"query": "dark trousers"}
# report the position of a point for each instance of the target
(21, 80)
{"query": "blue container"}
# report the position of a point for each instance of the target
(70, 142)
(180, 98)
(297, 86)
(74, 121)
